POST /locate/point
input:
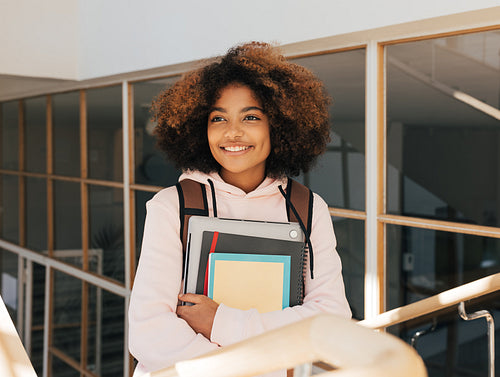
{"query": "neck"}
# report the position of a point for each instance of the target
(244, 182)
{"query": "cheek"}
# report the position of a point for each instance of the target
(210, 137)
(267, 142)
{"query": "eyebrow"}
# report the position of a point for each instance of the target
(244, 110)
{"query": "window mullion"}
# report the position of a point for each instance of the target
(374, 243)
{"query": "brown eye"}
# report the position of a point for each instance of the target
(217, 118)
(251, 117)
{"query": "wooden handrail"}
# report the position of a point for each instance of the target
(435, 303)
(14, 361)
(353, 349)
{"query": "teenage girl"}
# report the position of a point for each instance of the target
(244, 122)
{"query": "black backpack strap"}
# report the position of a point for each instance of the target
(299, 208)
(192, 202)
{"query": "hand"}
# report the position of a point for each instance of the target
(199, 316)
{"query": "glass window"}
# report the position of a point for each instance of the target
(9, 135)
(95, 330)
(38, 318)
(67, 315)
(424, 262)
(9, 208)
(443, 128)
(68, 223)
(106, 232)
(35, 110)
(104, 133)
(105, 333)
(9, 282)
(61, 369)
(151, 165)
(351, 248)
(141, 197)
(36, 214)
(66, 133)
(339, 175)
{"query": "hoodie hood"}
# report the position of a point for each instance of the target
(269, 186)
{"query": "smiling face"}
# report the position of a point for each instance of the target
(238, 135)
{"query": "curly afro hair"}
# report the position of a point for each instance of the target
(294, 100)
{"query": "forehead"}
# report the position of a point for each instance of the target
(237, 93)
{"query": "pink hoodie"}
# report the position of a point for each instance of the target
(157, 337)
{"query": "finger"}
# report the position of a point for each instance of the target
(181, 311)
(192, 298)
(184, 310)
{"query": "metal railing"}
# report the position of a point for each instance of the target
(435, 303)
(51, 265)
(443, 300)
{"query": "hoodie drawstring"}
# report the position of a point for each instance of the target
(214, 201)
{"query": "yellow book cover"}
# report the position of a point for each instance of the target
(246, 281)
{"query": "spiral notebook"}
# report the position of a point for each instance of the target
(209, 235)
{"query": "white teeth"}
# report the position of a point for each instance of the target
(235, 149)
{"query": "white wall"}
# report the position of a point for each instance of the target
(39, 38)
(123, 36)
(82, 39)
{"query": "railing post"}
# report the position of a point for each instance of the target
(491, 332)
(417, 335)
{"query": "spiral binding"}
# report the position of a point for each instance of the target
(301, 292)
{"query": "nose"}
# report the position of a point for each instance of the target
(234, 129)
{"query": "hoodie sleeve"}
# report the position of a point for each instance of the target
(323, 294)
(157, 337)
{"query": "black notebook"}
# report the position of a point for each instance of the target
(207, 235)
